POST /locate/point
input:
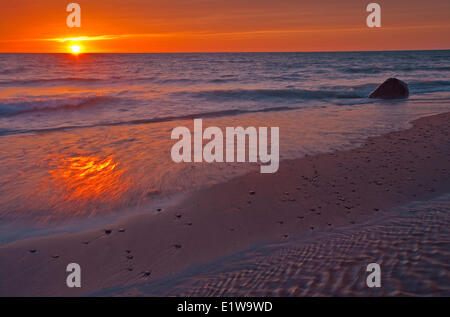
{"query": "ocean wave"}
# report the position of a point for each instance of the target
(263, 94)
(17, 107)
(37, 81)
(207, 114)
(426, 86)
(416, 87)
(12, 71)
(363, 70)
(378, 70)
(322, 93)
(102, 81)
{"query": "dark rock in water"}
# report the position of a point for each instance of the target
(392, 88)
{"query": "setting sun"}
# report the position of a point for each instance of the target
(75, 49)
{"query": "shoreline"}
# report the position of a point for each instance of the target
(310, 194)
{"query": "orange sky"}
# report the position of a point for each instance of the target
(224, 25)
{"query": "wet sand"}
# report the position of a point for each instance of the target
(410, 243)
(307, 196)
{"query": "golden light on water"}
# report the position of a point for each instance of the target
(85, 179)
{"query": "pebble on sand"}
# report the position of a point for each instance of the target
(153, 192)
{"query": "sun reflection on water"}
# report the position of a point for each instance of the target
(89, 179)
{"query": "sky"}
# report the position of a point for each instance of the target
(223, 25)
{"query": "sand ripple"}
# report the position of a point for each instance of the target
(411, 244)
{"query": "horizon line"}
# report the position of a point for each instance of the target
(238, 52)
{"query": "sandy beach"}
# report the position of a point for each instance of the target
(222, 155)
(314, 195)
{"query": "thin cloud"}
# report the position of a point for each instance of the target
(218, 34)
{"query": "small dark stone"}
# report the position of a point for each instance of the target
(121, 230)
(32, 250)
(177, 246)
(130, 257)
(252, 192)
(147, 273)
(107, 231)
(55, 256)
(153, 192)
